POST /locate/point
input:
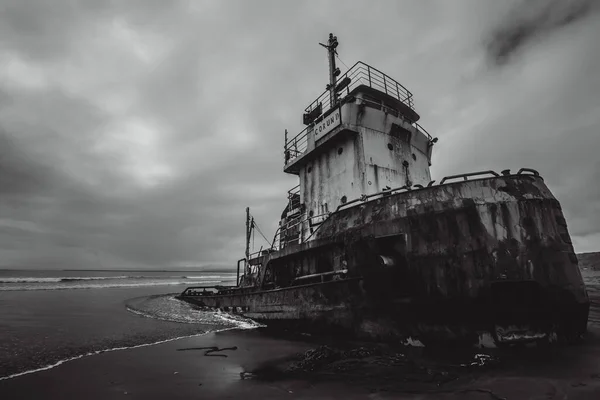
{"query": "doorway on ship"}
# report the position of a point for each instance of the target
(392, 264)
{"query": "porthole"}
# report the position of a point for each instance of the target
(344, 199)
(309, 170)
(340, 150)
(414, 157)
(390, 146)
(311, 213)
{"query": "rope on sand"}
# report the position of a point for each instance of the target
(210, 350)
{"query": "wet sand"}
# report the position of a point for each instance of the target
(257, 366)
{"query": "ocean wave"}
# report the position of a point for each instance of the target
(100, 285)
(21, 279)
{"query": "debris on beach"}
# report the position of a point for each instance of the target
(210, 350)
(378, 364)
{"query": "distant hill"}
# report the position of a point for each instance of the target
(589, 260)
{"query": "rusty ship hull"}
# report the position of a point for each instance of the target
(370, 244)
(474, 261)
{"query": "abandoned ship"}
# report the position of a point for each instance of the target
(368, 244)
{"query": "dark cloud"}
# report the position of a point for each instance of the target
(533, 19)
(136, 133)
(18, 176)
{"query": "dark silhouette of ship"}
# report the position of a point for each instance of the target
(369, 245)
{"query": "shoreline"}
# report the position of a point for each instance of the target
(93, 353)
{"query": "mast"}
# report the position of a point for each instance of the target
(247, 234)
(331, 45)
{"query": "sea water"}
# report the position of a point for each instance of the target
(47, 317)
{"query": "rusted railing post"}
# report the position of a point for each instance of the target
(384, 84)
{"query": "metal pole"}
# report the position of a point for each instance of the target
(285, 148)
(238, 271)
(247, 234)
(331, 46)
(332, 80)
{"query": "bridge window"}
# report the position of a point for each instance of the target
(401, 133)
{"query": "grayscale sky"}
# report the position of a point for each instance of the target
(134, 133)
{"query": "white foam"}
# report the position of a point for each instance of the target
(240, 321)
(168, 308)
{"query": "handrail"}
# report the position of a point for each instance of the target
(191, 290)
(465, 176)
(296, 146)
(395, 113)
(363, 74)
(532, 171)
(422, 130)
(293, 191)
(359, 74)
(322, 274)
(237, 281)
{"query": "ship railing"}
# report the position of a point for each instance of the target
(363, 74)
(276, 243)
(321, 276)
(396, 113)
(443, 181)
(280, 242)
(205, 290)
(261, 252)
(359, 74)
(296, 146)
(293, 192)
(294, 201)
(422, 130)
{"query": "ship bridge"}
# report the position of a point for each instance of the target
(362, 137)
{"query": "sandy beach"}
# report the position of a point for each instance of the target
(255, 365)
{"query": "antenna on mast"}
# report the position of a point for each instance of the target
(331, 46)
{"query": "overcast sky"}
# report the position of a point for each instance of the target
(135, 133)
